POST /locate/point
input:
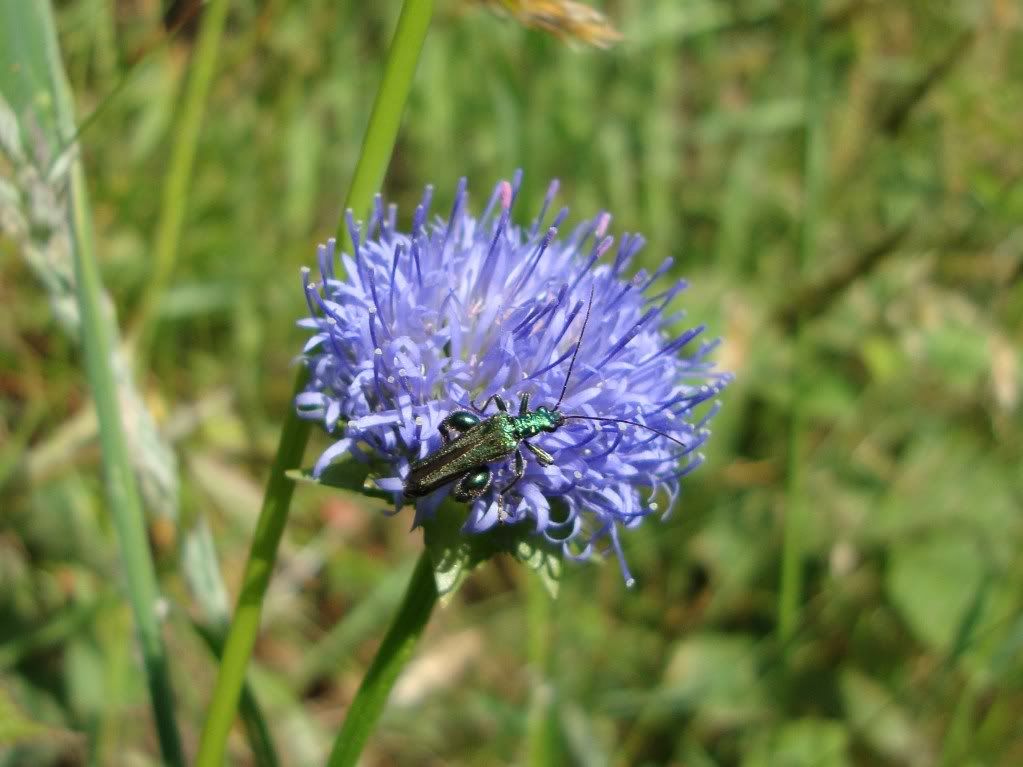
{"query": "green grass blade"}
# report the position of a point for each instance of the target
(367, 618)
(37, 58)
(385, 119)
(122, 492)
(394, 653)
(813, 171)
(378, 144)
(179, 173)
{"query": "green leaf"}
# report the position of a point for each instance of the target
(876, 716)
(455, 553)
(349, 475)
(15, 727)
(544, 561)
(716, 675)
(806, 742)
(933, 581)
(960, 355)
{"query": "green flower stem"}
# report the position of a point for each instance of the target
(241, 637)
(813, 170)
(179, 174)
(541, 731)
(394, 653)
(377, 147)
(122, 492)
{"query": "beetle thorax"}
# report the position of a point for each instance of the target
(537, 421)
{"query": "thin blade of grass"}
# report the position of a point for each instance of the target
(813, 171)
(366, 619)
(175, 195)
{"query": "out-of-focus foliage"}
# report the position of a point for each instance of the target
(908, 650)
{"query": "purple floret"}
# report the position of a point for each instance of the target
(418, 324)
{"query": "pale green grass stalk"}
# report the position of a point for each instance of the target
(198, 556)
(378, 144)
(39, 74)
(395, 651)
(791, 590)
(174, 198)
(122, 492)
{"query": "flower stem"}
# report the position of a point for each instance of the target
(377, 147)
(541, 732)
(394, 653)
(241, 637)
(813, 171)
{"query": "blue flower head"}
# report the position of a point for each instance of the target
(424, 323)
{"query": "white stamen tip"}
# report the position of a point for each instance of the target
(653, 506)
(390, 379)
(378, 352)
(578, 475)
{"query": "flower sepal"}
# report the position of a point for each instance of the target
(346, 474)
(455, 554)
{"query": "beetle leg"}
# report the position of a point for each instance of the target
(524, 403)
(520, 471)
(497, 398)
(542, 456)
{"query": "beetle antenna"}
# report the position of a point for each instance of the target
(575, 354)
(631, 423)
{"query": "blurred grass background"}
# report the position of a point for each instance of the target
(906, 649)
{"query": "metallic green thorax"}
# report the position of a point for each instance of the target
(540, 420)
